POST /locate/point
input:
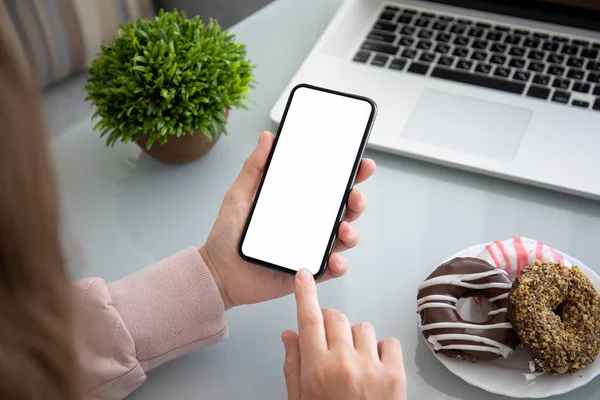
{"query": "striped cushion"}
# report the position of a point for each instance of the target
(57, 38)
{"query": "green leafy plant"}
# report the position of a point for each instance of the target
(168, 75)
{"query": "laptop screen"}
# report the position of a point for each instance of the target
(578, 13)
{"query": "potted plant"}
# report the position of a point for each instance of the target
(168, 83)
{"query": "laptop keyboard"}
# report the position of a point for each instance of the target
(529, 63)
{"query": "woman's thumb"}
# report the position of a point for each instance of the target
(251, 173)
(291, 367)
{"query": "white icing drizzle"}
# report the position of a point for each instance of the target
(478, 343)
(435, 305)
(501, 297)
(436, 297)
(459, 280)
(464, 325)
(496, 312)
(492, 345)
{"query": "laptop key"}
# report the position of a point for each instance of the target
(464, 64)
(581, 87)
(446, 18)
(382, 36)
(408, 30)
(483, 25)
(513, 39)
(540, 35)
(479, 55)
(427, 57)
(575, 62)
(555, 58)
(405, 19)
(397, 63)
(550, 46)
(597, 91)
(556, 70)
(593, 66)
(406, 41)
(596, 105)
(536, 55)
(425, 34)
(418, 68)
(521, 32)
(409, 53)
(560, 39)
(521, 76)
(379, 60)
(589, 53)
(581, 103)
(478, 80)
(500, 28)
(483, 68)
(569, 50)
(593, 77)
(387, 15)
(517, 63)
(380, 48)
(531, 43)
(575, 74)
(580, 42)
(538, 92)
(440, 26)
(424, 45)
(517, 52)
(476, 32)
(385, 26)
(362, 56)
(536, 66)
(460, 52)
(561, 83)
(458, 29)
(462, 41)
(498, 59)
(427, 15)
(541, 79)
(443, 37)
(423, 22)
(502, 72)
(560, 96)
(442, 48)
(480, 44)
(498, 48)
(446, 61)
(465, 21)
(494, 36)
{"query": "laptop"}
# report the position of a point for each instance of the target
(507, 88)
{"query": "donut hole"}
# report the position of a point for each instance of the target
(469, 310)
(559, 310)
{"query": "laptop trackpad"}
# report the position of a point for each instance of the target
(467, 124)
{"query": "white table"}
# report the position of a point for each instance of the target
(124, 211)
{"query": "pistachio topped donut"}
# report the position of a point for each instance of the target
(442, 326)
(556, 311)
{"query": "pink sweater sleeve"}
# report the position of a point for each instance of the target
(145, 319)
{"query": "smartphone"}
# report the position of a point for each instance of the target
(301, 198)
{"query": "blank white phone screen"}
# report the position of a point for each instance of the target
(306, 181)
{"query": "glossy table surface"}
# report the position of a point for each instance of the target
(124, 211)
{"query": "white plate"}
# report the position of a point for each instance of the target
(512, 377)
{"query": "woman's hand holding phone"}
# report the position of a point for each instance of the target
(242, 283)
(328, 359)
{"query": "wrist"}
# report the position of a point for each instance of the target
(216, 277)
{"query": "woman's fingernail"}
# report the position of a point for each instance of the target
(304, 275)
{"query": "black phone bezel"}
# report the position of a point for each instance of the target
(349, 186)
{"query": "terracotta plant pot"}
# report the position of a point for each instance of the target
(180, 150)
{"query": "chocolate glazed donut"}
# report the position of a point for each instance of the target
(446, 331)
